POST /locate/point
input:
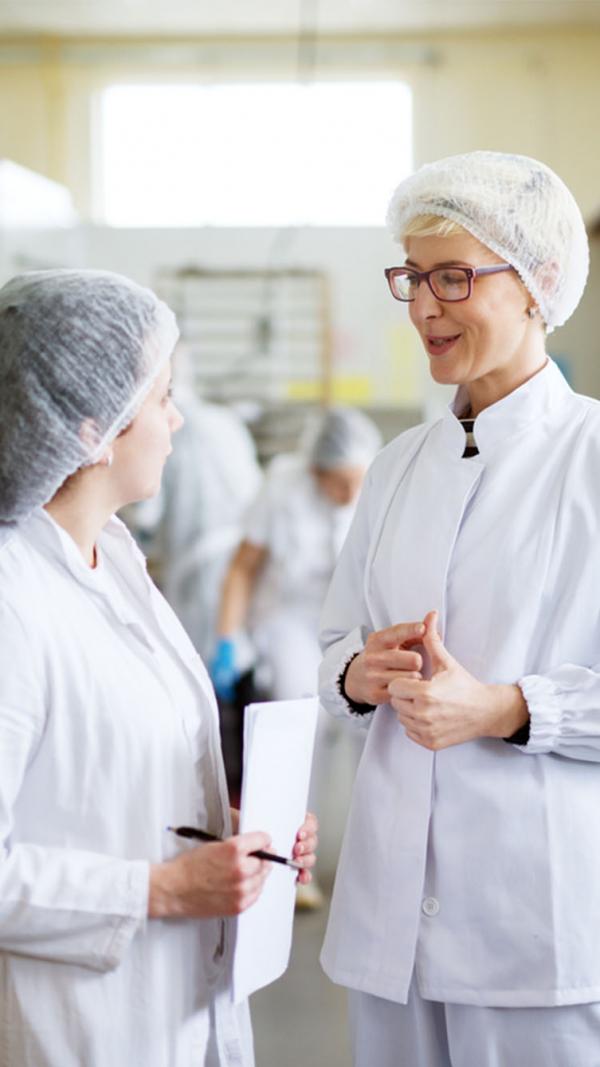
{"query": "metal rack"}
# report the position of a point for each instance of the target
(260, 335)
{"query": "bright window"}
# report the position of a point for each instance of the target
(281, 154)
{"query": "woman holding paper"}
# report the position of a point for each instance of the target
(462, 628)
(114, 938)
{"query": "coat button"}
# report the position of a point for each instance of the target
(430, 906)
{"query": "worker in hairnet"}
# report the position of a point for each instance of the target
(462, 629)
(115, 941)
(191, 528)
(276, 583)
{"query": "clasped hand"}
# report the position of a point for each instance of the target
(447, 708)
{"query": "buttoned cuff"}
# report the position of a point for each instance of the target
(134, 904)
(545, 714)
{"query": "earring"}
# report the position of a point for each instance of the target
(107, 460)
(531, 312)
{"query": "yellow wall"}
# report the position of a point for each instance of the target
(532, 92)
(536, 94)
(24, 118)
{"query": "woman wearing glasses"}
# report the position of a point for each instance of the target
(462, 627)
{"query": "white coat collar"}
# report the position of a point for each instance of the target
(509, 416)
(57, 543)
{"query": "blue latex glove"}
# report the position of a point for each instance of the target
(223, 670)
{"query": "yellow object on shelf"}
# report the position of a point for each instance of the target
(404, 365)
(345, 389)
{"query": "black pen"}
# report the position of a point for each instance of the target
(203, 835)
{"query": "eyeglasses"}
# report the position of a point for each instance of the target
(449, 284)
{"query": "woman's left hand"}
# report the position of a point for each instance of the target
(452, 706)
(305, 847)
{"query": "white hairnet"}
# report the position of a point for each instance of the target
(79, 351)
(517, 207)
(345, 438)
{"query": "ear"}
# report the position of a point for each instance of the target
(547, 277)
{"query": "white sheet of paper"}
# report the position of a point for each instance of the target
(278, 744)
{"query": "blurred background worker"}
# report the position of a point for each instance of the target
(277, 580)
(191, 528)
(293, 532)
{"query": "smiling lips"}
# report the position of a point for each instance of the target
(438, 346)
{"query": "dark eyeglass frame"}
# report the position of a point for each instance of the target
(470, 274)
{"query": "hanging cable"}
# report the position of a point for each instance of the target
(284, 237)
(308, 35)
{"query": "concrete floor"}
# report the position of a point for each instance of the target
(300, 1021)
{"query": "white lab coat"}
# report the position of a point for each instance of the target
(108, 733)
(478, 864)
(192, 528)
(303, 533)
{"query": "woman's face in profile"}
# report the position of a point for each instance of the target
(141, 450)
(469, 340)
(341, 485)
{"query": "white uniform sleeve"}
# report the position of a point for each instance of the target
(564, 708)
(56, 903)
(345, 619)
(257, 520)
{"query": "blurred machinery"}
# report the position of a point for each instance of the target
(258, 339)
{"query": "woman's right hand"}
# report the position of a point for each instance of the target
(387, 653)
(211, 880)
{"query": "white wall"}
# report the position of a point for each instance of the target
(376, 357)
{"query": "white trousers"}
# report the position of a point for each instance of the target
(425, 1033)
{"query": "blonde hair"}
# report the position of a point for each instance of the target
(431, 226)
(437, 226)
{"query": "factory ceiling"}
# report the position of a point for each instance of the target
(284, 17)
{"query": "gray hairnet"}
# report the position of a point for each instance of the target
(79, 351)
(518, 208)
(345, 438)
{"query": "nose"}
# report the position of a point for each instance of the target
(425, 305)
(177, 420)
